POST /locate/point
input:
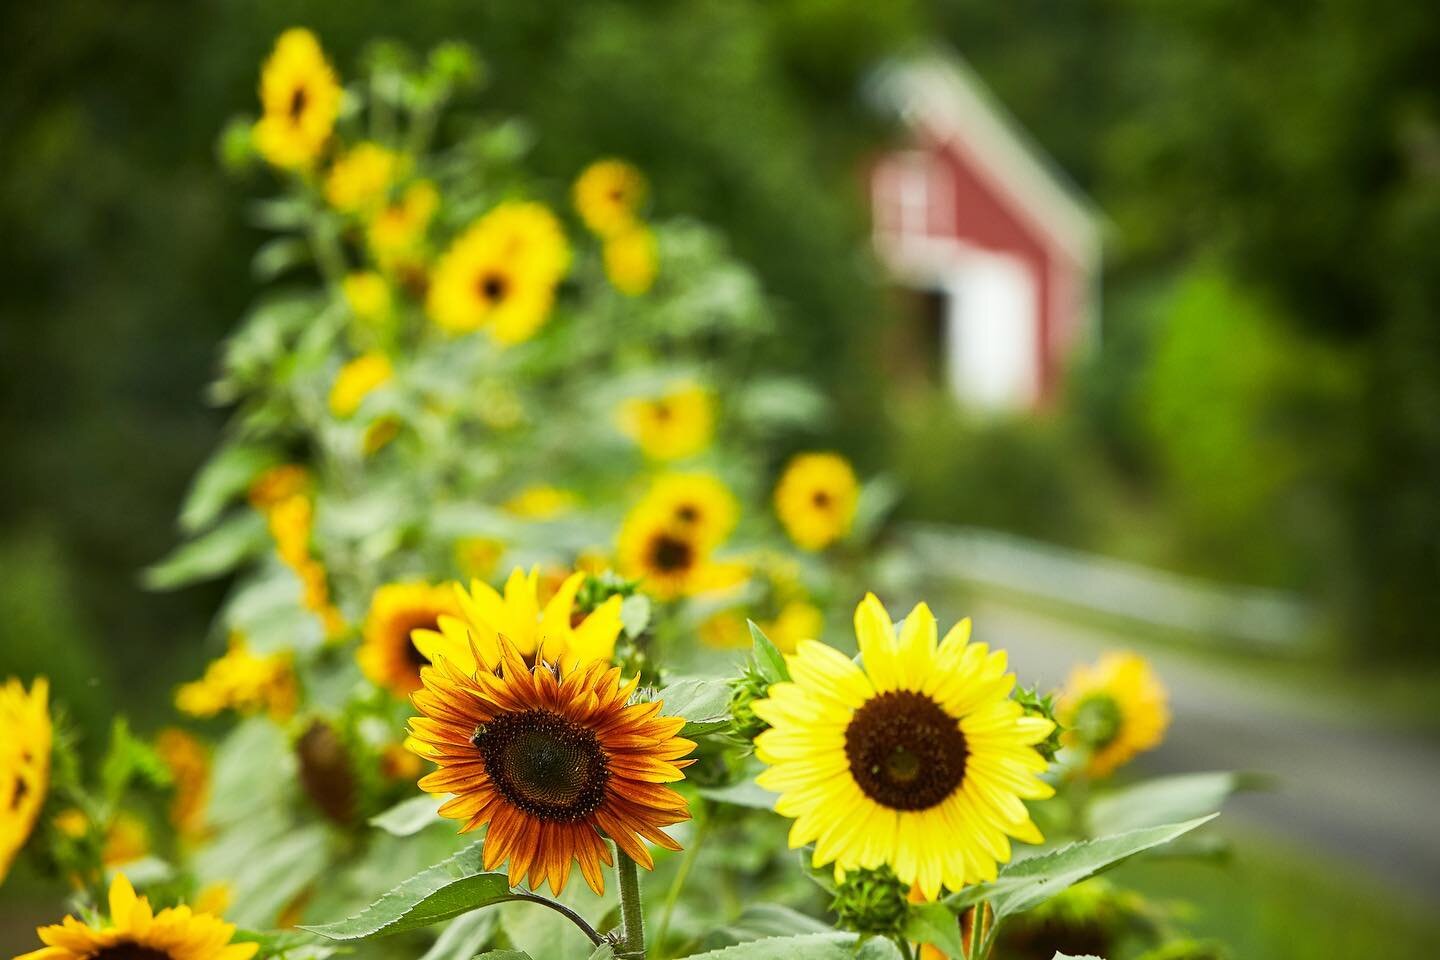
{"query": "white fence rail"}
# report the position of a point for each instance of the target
(1259, 619)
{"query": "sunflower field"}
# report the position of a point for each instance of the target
(549, 634)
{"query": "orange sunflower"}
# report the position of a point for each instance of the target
(550, 759)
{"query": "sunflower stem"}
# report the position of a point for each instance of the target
(632, 918)
(590, 932)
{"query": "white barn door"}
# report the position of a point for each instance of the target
(991, 333)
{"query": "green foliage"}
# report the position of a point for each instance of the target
(704, 703)
(409, 817)
(811, 946)
(1152, 803)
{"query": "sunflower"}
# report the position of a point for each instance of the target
(676, 424)
(397, 230)
(242, 681)
(671, 559)
(357, 380)
(24, 763)
(797, 620)
(816, 498)
(1113, 710)
(550, 758)
(387, 654)
(501, 273)
(300, 98)
(607, 195)
(698, 503)
(189, 765)
(918, 760)
(631, 260)
(135, 932)
(360, 179)
(555, 634)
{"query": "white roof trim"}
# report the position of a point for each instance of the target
(942, 93)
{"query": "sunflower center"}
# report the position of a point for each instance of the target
(905, 752)
(821, 499)
(1097, 720)
(125, 950)
(492, 287)
(548, 766)
(670, 554)
(687, 513)
(298, 99)
(420, 620)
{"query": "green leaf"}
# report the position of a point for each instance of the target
(449, 888)
(503, 955)
(129, 759)
(811, 946)
(765, 920)
(746, 793)
(277, 256)
(409, 817)
(286, 943)
(603, 952)
(463, 936)
(1165, 800)
(635, 614)
(1030, 882)
(934, 923)
(878, 497)
(705, 705)
(768, 658)
(211, 555)
(226, 475)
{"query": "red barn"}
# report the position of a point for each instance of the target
(1000, 253)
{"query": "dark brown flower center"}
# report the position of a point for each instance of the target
(544, 764)
(492, 287)
(905, 752)
(298, 100)
(126, 950)
(687, 513)
(405, 626)
(821, 499)
(670, 554)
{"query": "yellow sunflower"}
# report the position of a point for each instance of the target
(918, 760)
(397, 230)
(360, 179)
(669, 557)
(242, 681)
(300, 98)
(632, 259)
(357, 380)
(24, 763)
(1113, 710)
(135, 932)
(698, 503)
(553, 760)
(674, 425)
(388, 655)
(189, 764)
(553, 634)
(816, 499)
(607, 195)
(501, 273)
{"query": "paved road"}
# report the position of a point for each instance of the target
(1346, 786)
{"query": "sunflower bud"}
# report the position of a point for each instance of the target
(871, 902)
(745, 689)
(325, 772)
(1037, 706)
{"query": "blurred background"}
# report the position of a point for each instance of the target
(1139, 301)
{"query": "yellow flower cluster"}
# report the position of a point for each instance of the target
(500, 274)
(608, 195)
(189, 764)
(280, 494)
(361, 178)
(241, 681)
(396, 233)
(357, 380)
(24, 763)
(668, 539)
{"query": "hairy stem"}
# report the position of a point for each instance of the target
(632, 918)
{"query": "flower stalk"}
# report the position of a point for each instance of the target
(632, 917)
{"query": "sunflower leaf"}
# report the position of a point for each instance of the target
(227, 474)
(705, 705)
(1166, 800)
(1030, 882)
(503, 955)
(934, 923)
(409, 817)
(215, 552)
(810, 946)
(744, 793)
(451, 887)
(768, 659)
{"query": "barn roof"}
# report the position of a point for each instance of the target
(939, 92)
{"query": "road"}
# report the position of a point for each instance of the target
(1346, 786)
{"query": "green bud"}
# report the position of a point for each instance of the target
(872, 902)
(745, 689)
(1037, 706)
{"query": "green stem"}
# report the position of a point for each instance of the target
(560, 908)
(702, 821)
(632, 917)
(906, 950)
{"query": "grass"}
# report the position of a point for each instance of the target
(1273, 902)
